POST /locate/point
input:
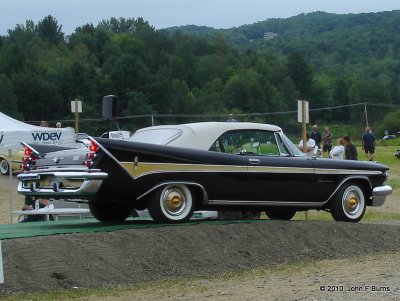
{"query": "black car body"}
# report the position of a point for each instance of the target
(173, 170)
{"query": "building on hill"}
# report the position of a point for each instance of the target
(269, 35)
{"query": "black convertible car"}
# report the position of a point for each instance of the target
(174, 169)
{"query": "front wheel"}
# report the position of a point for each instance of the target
(171, 204)
(348, 204)
(280, 213)
(110, 211)
(4, 167)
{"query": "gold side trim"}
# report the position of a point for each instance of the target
(138, 170)
(141, 169)
(324, 171)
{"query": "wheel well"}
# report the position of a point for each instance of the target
(365, 186)
(198, 195)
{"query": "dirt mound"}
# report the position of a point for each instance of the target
(132, 256)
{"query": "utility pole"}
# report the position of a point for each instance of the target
(76, 117)
(303, 117)
(304, 124)
(76, 108)
(366, 114)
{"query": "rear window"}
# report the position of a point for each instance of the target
(156, 136)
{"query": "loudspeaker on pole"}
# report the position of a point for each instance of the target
(110, 106)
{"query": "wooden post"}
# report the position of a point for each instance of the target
(304, 126)
(11, 186)
(76, 117)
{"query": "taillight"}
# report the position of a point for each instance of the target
(93, 149)
(28, 151)
(29, 159)
(90, 156)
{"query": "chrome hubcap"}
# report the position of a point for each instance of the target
(174, 201)
(353, 202)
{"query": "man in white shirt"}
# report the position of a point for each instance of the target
(310, 143)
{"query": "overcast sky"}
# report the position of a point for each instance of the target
(166, 13)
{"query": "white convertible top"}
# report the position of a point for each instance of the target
(199, 135)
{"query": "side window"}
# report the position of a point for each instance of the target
(216, 147)
(252, 142)
(268, 145)
(282, 148)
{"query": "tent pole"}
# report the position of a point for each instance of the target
(10, 185)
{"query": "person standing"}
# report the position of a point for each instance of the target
(231, 118)
(58, 125)
(327, 140)
(368, 144)
(350, 150)
(316, 136)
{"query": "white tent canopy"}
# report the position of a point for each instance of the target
(13, 131)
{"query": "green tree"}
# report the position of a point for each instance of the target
(8, 100)
(49, 30)
(301, 73)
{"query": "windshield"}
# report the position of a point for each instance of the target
(295, 150)
(156, 136)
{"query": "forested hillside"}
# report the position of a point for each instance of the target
(331, 60)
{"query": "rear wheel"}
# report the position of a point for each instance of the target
(280, 213)
(349, 203)
(4, 167)
(171, 204)
(110, 211)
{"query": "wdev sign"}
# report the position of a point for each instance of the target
(46, 137)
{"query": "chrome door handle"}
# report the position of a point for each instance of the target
(254, 161)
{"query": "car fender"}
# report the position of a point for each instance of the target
(200, 188)
(364, 180)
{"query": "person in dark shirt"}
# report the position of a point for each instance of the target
(368, 144)
(316, 136)
(350, 150)
(231, 118)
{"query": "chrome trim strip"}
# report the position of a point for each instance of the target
(141, 169)
(63, 174)
(205, 197)
(264, 203)
(322, 171)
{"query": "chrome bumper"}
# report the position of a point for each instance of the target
(61, 183)
(379, 194)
